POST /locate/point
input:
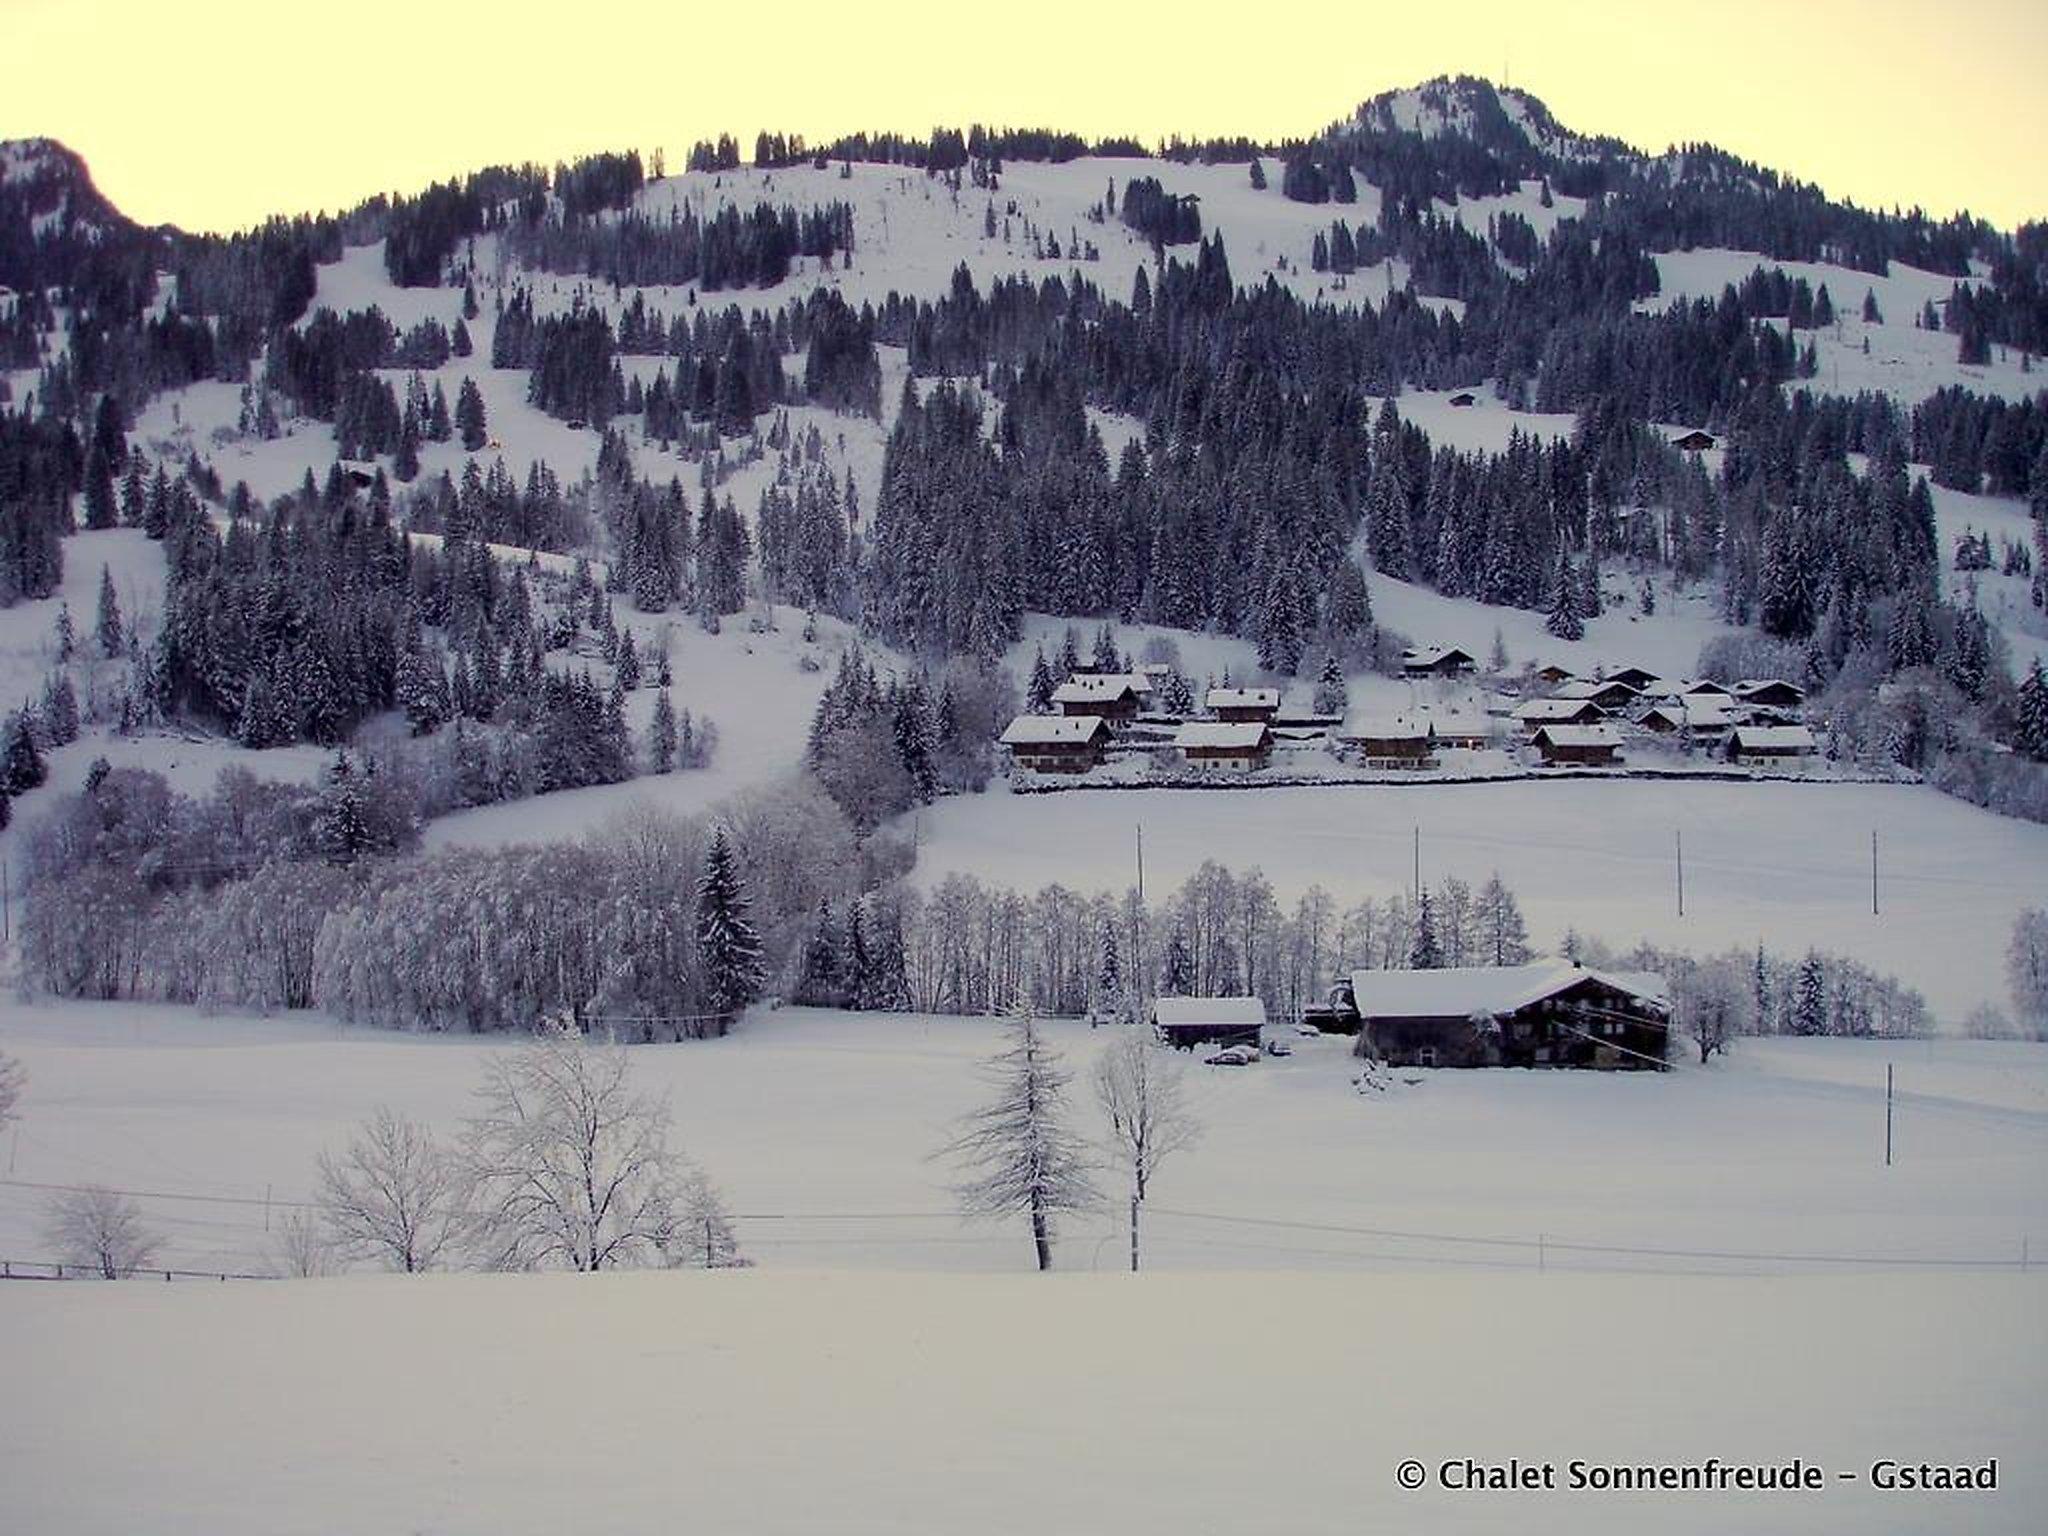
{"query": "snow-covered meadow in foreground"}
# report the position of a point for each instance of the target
(1326, 1272)
(1214, 1404)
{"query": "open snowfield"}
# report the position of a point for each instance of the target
(1785, 864)
(821, 1128)
(770, 1403)
(1292, 1339)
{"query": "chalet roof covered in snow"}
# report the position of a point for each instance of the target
(1554, 709)
(1580, 735)
(1384, 728)
(1583, 688)
(1099, 687)
(1773, 738)
(1473, 990)
(1053, 730)
(1422, 656)
(1243, 698)
(1749, 685)
(1208, 1012)
(1222, 735)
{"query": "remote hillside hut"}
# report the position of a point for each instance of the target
(1548, 1014)
(1187, 1022)
(1056, 743)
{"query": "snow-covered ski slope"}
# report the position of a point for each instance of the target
(1006, 1406)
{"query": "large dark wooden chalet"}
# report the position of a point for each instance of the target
(1111, 696)
(1437, 661)
(1243, 706)
(1549, 1014)
(1057, 743)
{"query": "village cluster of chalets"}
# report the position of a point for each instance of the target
(1441, 716)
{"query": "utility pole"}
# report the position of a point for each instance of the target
(1887, 1114)
(1134, 1232)
(1678, 841)
(1873, 872)
(1418, 864)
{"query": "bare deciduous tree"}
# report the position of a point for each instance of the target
(302, 1250)
(394, 1195)
(12, 1080)
(1024, 1157)
(1708, 1001)
(704, 1233)
(1141, 1090)
(569, 1167)
(101, 1228)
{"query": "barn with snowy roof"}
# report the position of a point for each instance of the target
(1552, 1013)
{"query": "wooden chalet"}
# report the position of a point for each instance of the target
(1637, 678)
(1534, 715)
(1463, 399)
(1056, 743)
(1467, 729)
(1392, 741)
(1437, 661)
(1594, 746)
(1704, 687)
(1186, 1022)
(1769, 693)
(1771, 746)
(1610, 693)
(1551, 674)
(1548, 1014)
(1241, 705)
(1225, 746)
(1110, 696)
(1706, 717)
(1694, 442)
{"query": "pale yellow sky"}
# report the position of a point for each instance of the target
(213, 113)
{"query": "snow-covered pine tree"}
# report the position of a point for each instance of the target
(1109, 975)
(1426, 953)
(1565, 620)
(661, 734)
(107, 626)
(1333, 696)
(1038, 693)
(340, 830)
(1020, 1155)
(728, 945)
(1177, 973)
(1810, 997)
(470, 421)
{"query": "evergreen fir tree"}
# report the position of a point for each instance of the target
(728, 947)
(340, 830)
(470, 421)
(1426, 954)
(107, 627)
(21, 764)
(1333, 697)
(1810, 998)
(661, 734)
(1177, 977)
(1564, 620)
(1038, 694)
(1109, 975)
